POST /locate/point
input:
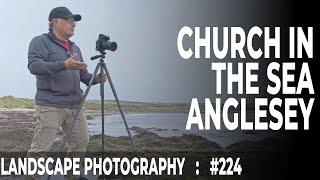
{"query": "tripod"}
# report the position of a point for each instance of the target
(103, 69)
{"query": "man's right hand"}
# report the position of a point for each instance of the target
(72, 64)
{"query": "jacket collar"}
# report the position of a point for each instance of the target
(52, 36)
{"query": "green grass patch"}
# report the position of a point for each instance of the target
(111, 106)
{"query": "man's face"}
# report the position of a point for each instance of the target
(65, 27)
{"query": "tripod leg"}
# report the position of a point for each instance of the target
(102, 110)
(79, 109)
(104, 66)
(68, 133)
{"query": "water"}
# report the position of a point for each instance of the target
(167, 125)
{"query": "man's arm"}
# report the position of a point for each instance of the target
(37, 56)
(85, 76)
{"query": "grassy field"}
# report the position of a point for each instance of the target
(13, 102)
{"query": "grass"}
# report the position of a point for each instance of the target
(13, 102)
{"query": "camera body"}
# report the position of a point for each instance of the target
(103, 43)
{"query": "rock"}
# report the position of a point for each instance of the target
(150, 141)
(266, 144)
(89, 117)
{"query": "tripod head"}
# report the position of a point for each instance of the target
(101, 56)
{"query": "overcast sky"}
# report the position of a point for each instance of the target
(146, 66)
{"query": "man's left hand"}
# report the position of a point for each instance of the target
(101, 78)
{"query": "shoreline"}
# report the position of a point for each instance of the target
(17, 126)
(89, 113)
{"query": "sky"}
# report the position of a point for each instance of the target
(146, 67)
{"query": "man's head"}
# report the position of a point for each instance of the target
(63, 22)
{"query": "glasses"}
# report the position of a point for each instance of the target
(69, 20)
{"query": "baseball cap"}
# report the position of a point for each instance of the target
(63, 13)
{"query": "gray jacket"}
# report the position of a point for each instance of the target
(56, 86)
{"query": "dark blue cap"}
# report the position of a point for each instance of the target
(63, 13)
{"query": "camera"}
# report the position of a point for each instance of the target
(103, 43)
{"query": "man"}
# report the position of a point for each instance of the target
(59, 68)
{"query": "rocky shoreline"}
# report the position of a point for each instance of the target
(16, 132)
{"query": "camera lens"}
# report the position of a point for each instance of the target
(109, 45)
